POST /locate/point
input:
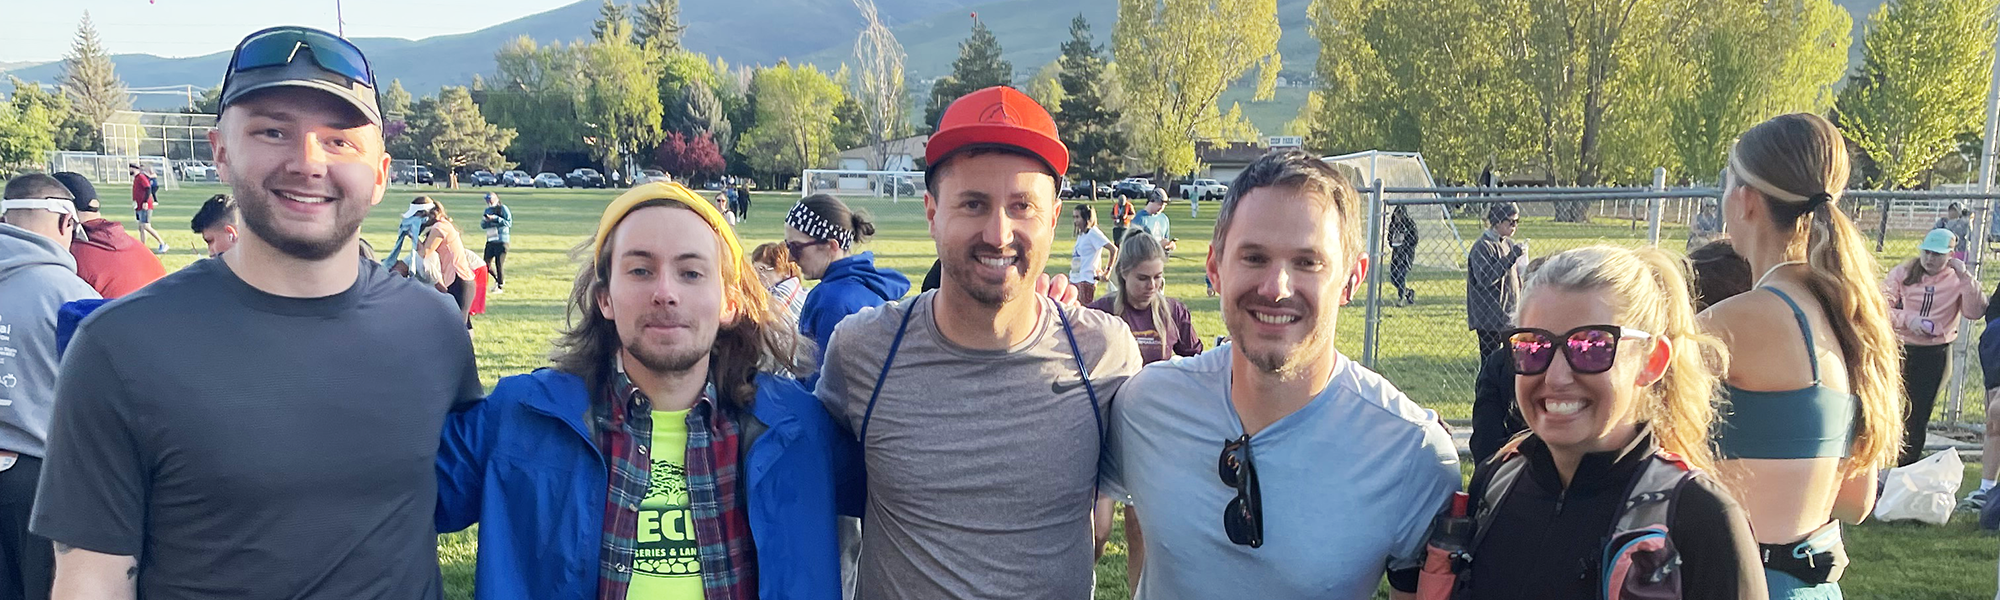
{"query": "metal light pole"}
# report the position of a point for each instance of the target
(1981, 225)
(339, 19)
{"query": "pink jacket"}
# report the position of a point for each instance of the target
(1940, 298)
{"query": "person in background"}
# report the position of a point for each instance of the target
(933, 278)
(444, 245)
(109, 259)
(1958, 220)
(1492, 284)
(1719, 273)
(498, 221)
(653, 462)
(1927, 296)
(1706, 228)
(1813, 405)
(820, 232)
(743, 198)
(1163, 327)
(287, 446)
(782, 278)
(1121, 217)
(1402, 253)
(145, 197)
(37, 277)
(1154, 219)
(216, 224)
(1989, 368)
(1616, 382)
(1086, 262)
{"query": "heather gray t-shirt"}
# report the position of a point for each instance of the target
(981, 464)
(250, 446)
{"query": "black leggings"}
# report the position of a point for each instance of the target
(27, 561)
(1923, 373)
(496, 262)
(462, 292)
(1399, 266)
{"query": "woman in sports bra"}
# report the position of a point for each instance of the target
(1814, 406)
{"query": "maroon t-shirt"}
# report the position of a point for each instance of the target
(112, 261)
(142, 191)
(1154, 343)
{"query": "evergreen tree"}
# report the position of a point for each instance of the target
(658, 26)
(450, 134)
(88, 80)
(611, 12)
(979, 66)
(1088, 126)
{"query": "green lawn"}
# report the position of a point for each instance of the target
(1425, 347)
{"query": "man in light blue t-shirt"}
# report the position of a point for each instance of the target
(1273, 467)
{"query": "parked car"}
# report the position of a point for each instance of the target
(1135, 188)
(196, 171)
(649, 176)
(549, 180)
(517, 179)
(424, 176)
(483, 178)
(1204, 189)
(584, 178)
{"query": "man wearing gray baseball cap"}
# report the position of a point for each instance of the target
(286, 448)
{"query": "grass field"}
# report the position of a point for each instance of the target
(1891, 560)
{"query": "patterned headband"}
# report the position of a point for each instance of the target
(810, 223)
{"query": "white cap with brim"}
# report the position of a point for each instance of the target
(417, 209)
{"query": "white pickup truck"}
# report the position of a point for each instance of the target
(1204, 189)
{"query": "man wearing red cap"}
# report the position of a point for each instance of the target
(980, 405)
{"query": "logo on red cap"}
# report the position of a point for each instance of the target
(1001, 116)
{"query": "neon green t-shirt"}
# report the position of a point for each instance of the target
(666, 566)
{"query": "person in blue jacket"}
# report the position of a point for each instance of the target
(655, 460)
(821, 232)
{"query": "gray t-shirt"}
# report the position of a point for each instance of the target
(246, 445)
(981, 464)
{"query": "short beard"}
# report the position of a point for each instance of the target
(671, 361)
(961, 271)
(258, 215)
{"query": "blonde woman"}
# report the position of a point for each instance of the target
(1616, 383)
(1814, 400)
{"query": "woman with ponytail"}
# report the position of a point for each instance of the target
(1616, 383)
(1814, 405)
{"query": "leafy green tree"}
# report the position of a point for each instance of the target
(794, 120)
(538, 92)
(1924, 71)
(621, 110)
(451, 134)
(1172, 85)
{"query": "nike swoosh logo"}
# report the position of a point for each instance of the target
(1060, 388)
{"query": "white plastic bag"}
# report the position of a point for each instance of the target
(1923, 490)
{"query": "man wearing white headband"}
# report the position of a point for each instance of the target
(37, 275)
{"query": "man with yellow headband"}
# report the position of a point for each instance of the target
(640, 465)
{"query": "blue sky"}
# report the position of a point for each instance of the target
(177, 28)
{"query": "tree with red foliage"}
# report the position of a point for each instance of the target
(694, 157)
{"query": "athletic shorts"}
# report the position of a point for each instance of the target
(495, 250)
(144, 215)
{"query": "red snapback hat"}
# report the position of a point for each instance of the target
(998, 115)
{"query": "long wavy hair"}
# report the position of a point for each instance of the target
(1652, 293)
(1803, 156)
(1137, 248)
(758, 340)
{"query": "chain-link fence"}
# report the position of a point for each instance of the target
(1440, 283)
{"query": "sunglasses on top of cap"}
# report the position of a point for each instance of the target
(1589, 349)
(278, 46)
